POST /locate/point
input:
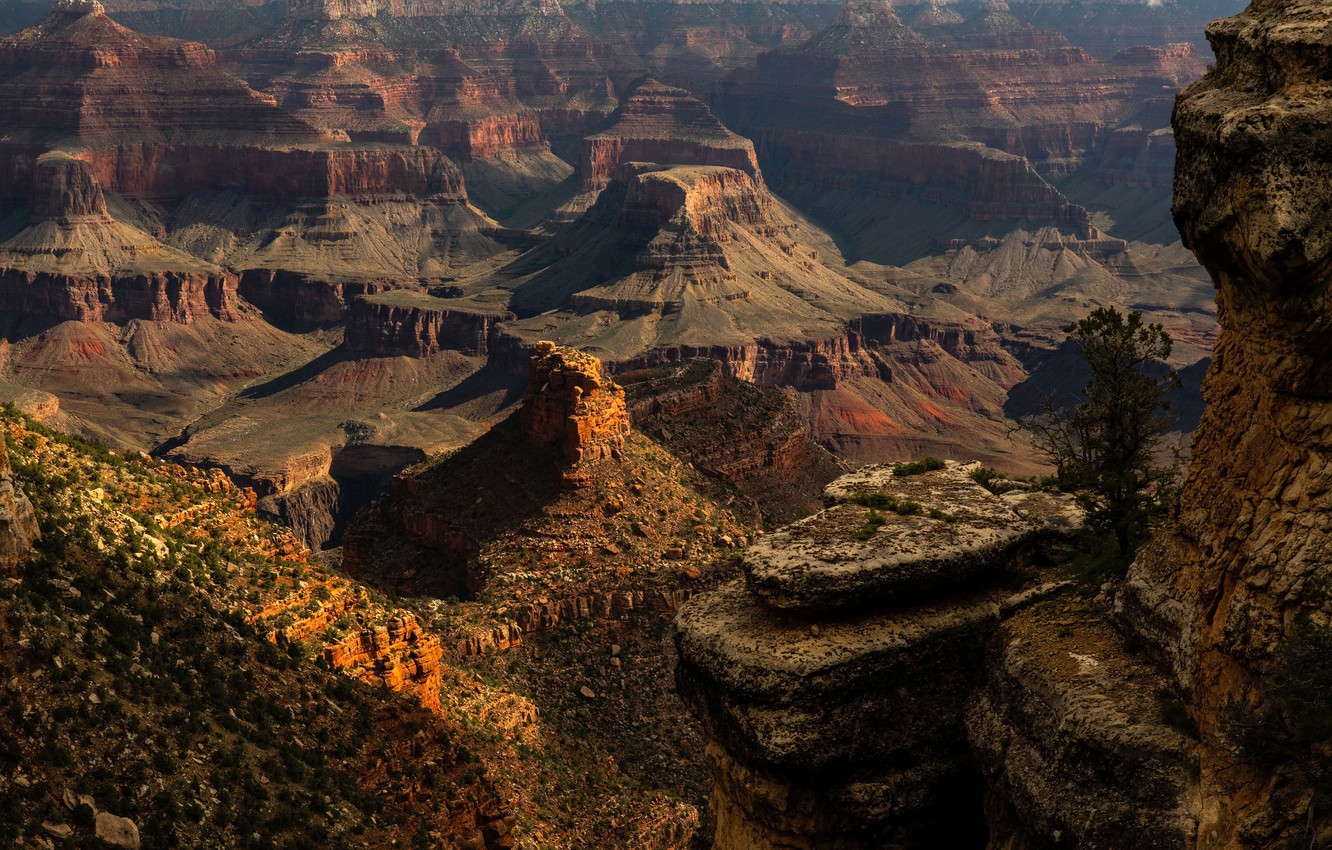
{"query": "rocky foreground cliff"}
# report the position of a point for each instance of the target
(1233, 596)
(896, 670)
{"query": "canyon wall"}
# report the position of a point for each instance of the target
(662, 124)
(1237, 579)
(920, 676)
(413, 325)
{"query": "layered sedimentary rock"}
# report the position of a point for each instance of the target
(663, 243)
(490, 86)
(870, 102)
(75, 261)
(418, 325)
(674, 262)
(109, 129)
(858, 701)
(756, 439)
(838, 720)
(570, 402)
(662, 124)
(1235, 581)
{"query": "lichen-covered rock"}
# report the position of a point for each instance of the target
(835, 684)
(947, 530)
(842, 732)
(1069, 732)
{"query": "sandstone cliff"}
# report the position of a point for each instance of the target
(145, 169)
(1222, 594)
(662, 124)
(910, 678)
(417, 325)
(869, 101)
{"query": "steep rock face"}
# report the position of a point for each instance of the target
(1218, 592)
(144, 168)
(398, 655)
(74, 261)
(18, 524)
(293, 299)
(154, 296)
(1070, 735)
(571, 403)
(754, 438)
(857, 701)
(836, 721)
(869, 101)
(415, 325)
(662, 124)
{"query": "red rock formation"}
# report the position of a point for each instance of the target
(755, 439)
(662, 124)
(870, 105)
(398, 655)
(570, 401)
(154, 120)
(156, 296)
(411, 325)
(74, 261)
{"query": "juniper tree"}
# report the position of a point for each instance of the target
(1111, 446)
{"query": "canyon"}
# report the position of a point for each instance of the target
(579, 334)
(390, 204)
(882, 681)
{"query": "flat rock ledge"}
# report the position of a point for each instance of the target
(834, 683)
(952, 531)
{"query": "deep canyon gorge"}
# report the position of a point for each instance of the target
(465, 424)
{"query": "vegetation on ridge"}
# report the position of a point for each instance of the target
(1108, 446)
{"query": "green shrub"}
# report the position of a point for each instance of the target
(918, 467)
(873, 520)
(985, 477)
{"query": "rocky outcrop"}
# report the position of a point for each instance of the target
(837, 719)
(1221, 592)
(570, 402)
(397, 654)
(753, 438)
(407, 324)
(1079, 742)
(662, 124)
(809, 565)
(154, 296)
(18, 524)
